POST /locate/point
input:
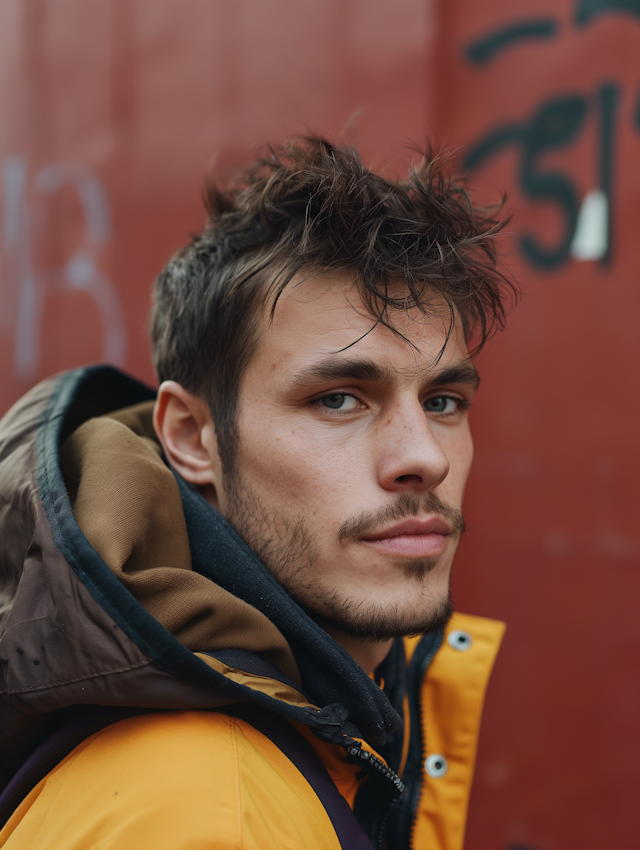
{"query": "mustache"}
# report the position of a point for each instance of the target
(406, 505)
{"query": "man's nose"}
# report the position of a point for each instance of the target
(410, 456)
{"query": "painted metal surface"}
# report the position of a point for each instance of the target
(542, 100)
(111, 111)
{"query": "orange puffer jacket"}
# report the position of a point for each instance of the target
(122, 587)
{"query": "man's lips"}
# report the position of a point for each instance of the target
(413, 538)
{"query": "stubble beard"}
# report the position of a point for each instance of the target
(289, 549)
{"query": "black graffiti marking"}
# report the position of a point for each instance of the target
(607, 104)
(484, 49)
(488, 46)
(586, 10)
(554, 125)
(492, 143)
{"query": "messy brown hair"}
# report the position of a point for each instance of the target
(312, 206)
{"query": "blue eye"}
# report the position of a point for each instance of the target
(334, 401)
(441, 404)
(339, 401)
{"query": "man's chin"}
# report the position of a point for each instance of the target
(378, 624)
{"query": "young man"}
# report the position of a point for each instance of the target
(252, 571)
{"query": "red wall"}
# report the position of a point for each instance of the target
(553, 547)
(125, 103)
(110, 111)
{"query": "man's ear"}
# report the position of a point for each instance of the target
(186, 430)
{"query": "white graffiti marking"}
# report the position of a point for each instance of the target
(24, 292)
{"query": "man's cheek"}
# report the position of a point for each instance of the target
(460, 453)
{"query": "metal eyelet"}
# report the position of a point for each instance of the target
(436, 765)
(459, 640)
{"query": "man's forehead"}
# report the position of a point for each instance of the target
(327, 315)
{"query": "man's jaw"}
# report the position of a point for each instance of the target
(376, 623)
(290, 553)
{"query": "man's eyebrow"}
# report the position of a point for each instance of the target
(364, 369)
(344, 369)
(465, 373)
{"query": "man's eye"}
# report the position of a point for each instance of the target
(338, 401)
(442, 404)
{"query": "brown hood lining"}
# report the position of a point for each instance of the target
(128, 506)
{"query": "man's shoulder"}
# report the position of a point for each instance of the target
(172, 780)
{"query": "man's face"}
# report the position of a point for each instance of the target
(354, 450)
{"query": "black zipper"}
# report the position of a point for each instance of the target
(403, 820)
(379, 794)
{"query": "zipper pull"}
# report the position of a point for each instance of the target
(375, 766)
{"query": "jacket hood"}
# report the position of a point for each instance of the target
(121, 585)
